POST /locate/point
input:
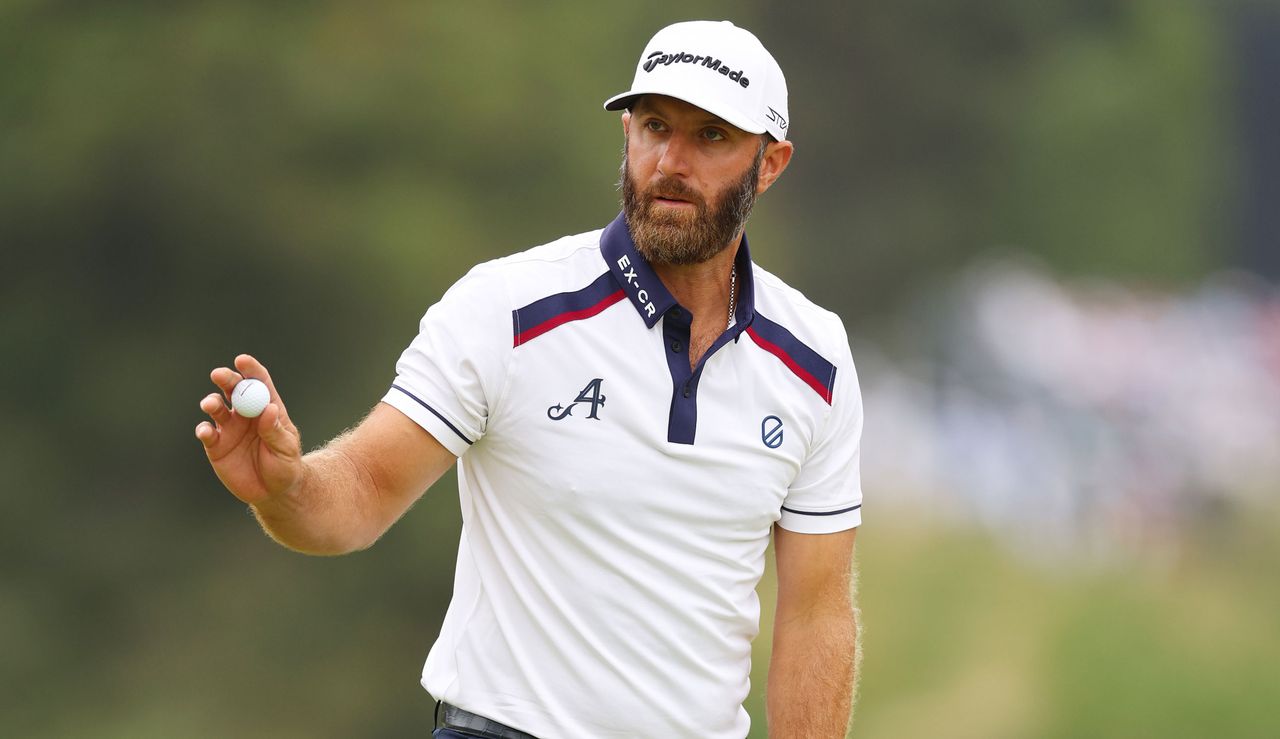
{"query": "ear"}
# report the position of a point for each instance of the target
(777, 155)
(626, 122)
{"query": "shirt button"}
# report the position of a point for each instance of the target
(687, 391)
(676, 346)
(675, 312)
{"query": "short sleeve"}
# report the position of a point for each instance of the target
(448, 378)
(826, 495)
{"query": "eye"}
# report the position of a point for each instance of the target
(655, 125)
(714, 134)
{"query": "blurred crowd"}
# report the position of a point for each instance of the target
(1079, 418)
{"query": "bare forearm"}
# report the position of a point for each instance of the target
(330, 511)
(812, 675)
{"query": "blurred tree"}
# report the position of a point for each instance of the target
(1088, 133)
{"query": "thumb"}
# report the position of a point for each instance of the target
(275, 433)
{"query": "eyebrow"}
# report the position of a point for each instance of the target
(649, 107)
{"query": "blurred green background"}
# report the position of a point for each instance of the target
(1050, 228)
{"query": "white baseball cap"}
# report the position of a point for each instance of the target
(721, 68)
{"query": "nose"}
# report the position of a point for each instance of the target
(676, 152)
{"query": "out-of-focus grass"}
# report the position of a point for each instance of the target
(962, 637)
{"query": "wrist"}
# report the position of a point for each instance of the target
(284, 505)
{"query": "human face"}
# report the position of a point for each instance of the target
(689, 180)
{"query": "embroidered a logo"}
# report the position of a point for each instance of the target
(776, 118)
(771, 432)
(590, 394)
(683, 57)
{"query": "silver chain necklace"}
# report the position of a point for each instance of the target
(733, 294)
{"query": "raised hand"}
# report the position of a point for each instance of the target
(257, 459)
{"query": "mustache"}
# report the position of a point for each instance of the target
(671, 188)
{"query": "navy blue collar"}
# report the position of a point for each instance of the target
(644, 288)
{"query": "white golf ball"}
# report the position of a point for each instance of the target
(249, 397)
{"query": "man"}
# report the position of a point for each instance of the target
(633, 411)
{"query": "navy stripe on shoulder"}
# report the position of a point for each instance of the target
(822, 513)
(805, 363)
(435, 412)
(540, 316)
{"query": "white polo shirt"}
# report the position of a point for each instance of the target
(616, 505)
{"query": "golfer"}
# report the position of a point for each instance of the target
(634, 412)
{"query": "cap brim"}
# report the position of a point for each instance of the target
(627, 99)
(618, 102)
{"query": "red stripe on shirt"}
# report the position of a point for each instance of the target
(534, 332)
(822, 390)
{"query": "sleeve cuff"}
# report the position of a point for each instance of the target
(821, 522)
(435, 423)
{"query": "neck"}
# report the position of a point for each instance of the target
(703, 288)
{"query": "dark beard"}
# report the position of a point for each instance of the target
(667, 237)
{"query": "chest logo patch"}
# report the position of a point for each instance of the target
(771, 431)
(590, 394)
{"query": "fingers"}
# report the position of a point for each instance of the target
(272, 425)
(212, 434)
(207, 434)
(251, 367)
(245, 366)
(214, 406)
(225, 379)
